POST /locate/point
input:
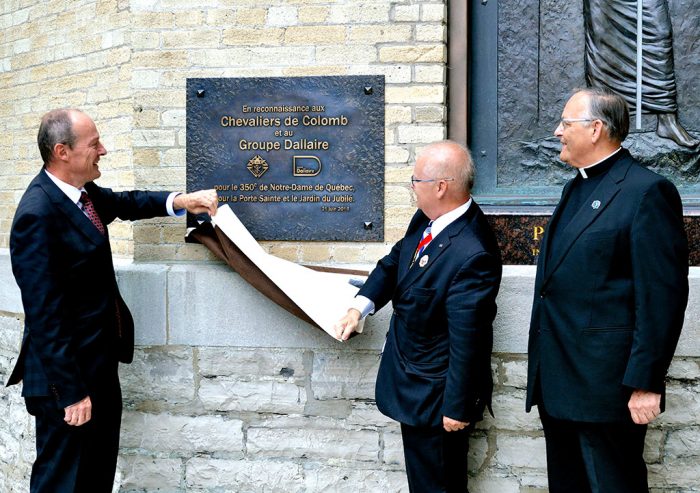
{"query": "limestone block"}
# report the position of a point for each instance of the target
(679, 473)
(684, 369)
(478, 451)
(494, 482)
(398, 155)
(282, 16)
(520, 451)
(145, 79)
(225, 394)
(515, 373)
(139, 473)
(416, 94)
(514, 305)
(407, 13)
(396, 195)
(365, 414)
(683, 443)
(345, 375)
(314, 35)
(337, 54)
(303, 441)
(413, 53)
(313, 14)
(423, 134)
(243, 475)
(282, 364)
(393, 449)
(397, 114)
(433, 12)
(168, 433)
(430, 114)
(159, 373)
(380, 33)
(153, 138)
(11, 329)
(252, 36)
(345, 480)
(144, 289)
(653, 445)
(360, 12)
(682, 406)
(509, 408)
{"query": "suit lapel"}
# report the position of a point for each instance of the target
(437, 247)
(547, 240)
(62, 203)
(601, 197)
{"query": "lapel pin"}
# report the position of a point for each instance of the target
(423, 260)
(595, 204)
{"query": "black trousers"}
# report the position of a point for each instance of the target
(594, 457)
(436, 461)
(76, 459)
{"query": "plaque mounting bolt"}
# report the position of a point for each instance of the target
(484, 2)
(368, 225)
(200, 93)
(368, 90)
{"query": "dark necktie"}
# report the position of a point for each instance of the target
(90, 212)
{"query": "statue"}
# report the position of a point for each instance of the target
(611, 59)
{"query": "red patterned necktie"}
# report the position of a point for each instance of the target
(427, 238)
(91, 213)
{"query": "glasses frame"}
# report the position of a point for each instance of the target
(566, 122)
(415, 180)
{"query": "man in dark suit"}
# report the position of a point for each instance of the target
(77, 327)
(442, 279)
(610, 296)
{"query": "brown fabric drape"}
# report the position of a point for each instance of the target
(220, 244)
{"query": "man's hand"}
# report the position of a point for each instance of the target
(197, 202)
(644, 406)
(347, 325)
(452, 424)
(79, 413)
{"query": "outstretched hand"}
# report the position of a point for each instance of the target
(197, 202)
(347, 325)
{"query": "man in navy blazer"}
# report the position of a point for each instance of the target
(610, 296)
(77, 327)
(435, 373)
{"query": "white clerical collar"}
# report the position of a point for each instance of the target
(71, 192)
(584, 175)
(448, 218)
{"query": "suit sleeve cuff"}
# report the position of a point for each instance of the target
(169, 205)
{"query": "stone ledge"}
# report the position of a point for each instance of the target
(206, 304)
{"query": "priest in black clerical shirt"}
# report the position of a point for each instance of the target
(609, 301)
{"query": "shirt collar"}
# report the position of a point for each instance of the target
(448, 218)
(71, 192)
(588, 171)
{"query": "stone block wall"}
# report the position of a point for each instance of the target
(126, 62)
(234, 396)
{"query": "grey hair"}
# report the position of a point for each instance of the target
(610, 108)
(56, 128)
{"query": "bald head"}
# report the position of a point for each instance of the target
(444, 175)
(450, 159)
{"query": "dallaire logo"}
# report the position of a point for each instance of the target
(257, 166)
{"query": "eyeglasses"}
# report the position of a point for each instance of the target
(566, 122)
(415, 180)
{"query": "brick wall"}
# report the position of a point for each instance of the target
(126, 64)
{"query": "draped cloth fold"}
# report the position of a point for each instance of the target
(611, 52)
(220, 245)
